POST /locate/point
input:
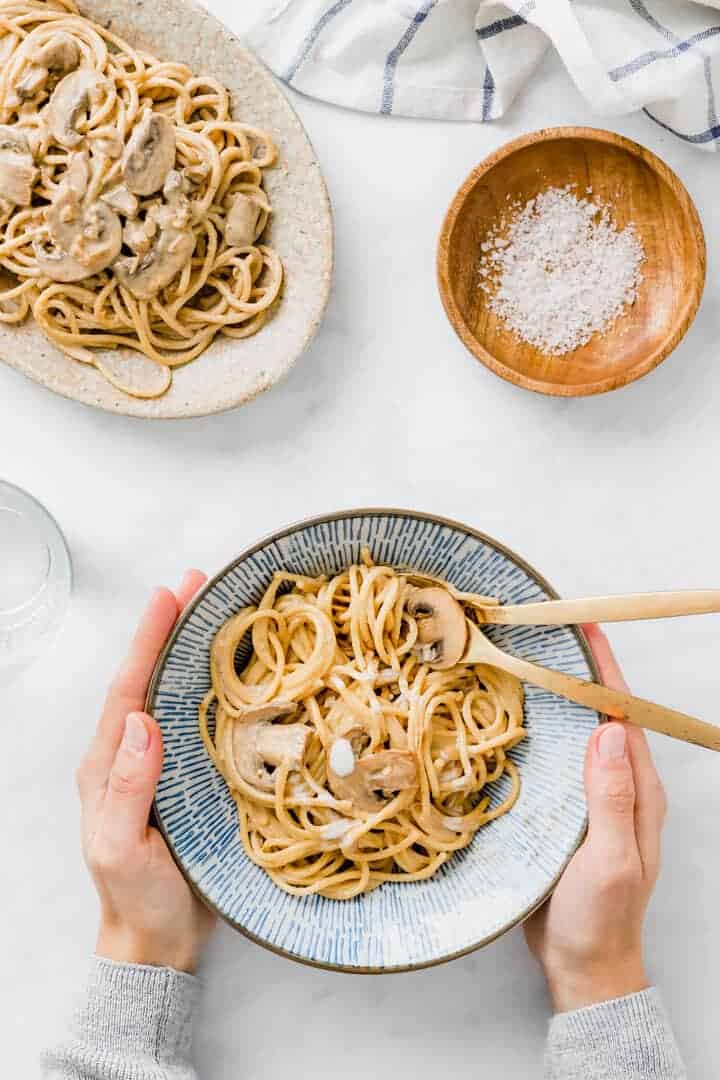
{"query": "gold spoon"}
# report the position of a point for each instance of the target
(591, 609)
(447, 637)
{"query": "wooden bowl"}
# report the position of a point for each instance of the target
(639, 188)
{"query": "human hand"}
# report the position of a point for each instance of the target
(148, 913)
(588, 936)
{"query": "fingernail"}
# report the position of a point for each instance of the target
(612, 742)
(136, 737)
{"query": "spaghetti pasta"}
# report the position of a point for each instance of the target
(351, 761)
(131, 202)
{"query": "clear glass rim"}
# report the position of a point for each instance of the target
(59, 541)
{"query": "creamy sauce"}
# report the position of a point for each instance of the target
(336, 829)
(453, 824)
(342, 758)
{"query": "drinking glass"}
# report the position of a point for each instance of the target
(35, 580)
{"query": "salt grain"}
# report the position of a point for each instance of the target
(562, 272)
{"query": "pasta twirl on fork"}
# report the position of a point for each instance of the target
(131, 201)
(351, 760)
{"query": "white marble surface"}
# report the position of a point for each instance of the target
(608, 493)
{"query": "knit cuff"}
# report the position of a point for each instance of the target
(135, 1021)
(628, 1036)
(138, 1009)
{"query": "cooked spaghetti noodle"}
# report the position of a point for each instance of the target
(131, 202)
(353, 762)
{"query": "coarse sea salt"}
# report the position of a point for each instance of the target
(562, 270)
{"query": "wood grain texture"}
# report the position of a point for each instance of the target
(598, 609)
(613, 703)
(639, 188)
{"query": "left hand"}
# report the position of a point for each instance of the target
(148, 913)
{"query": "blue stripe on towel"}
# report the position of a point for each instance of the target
(712, 130)
(508, 23)
(499, 26)
(311, 37)
(488, 94)
(622, 72)
(712, 110)
(394, 55)
(709, 135)
(640, 9)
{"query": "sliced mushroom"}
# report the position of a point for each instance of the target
(145, 275)
(12, 138)
(259, 744)
(442, 627)
(150, 154)
(86, 240)
(374, 778)
(138, 235)
(122, 200)
(76, 177)
(59, 55)
(56, 264)
(17, 171)
(32, 81)
(73, 96)
(241, 225)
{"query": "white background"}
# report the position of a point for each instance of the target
(611, 493)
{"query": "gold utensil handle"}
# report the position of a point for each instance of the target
(606, 608)
(615, 703)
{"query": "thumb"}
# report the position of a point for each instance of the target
(610, 789)
(131, 783)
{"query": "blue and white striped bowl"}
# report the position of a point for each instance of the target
(511, 865)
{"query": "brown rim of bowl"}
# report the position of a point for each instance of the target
(279, 534)
(455, 315)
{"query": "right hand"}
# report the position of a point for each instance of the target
(588, 936)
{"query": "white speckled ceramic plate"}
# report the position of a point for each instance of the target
(511, 864)
(230, 372)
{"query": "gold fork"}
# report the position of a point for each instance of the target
(447, 637)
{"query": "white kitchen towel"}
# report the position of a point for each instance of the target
(468, 59)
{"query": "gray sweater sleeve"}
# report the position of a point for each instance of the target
(135, 1023)
(628, 1038)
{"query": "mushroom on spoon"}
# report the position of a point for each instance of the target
(438, 644)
